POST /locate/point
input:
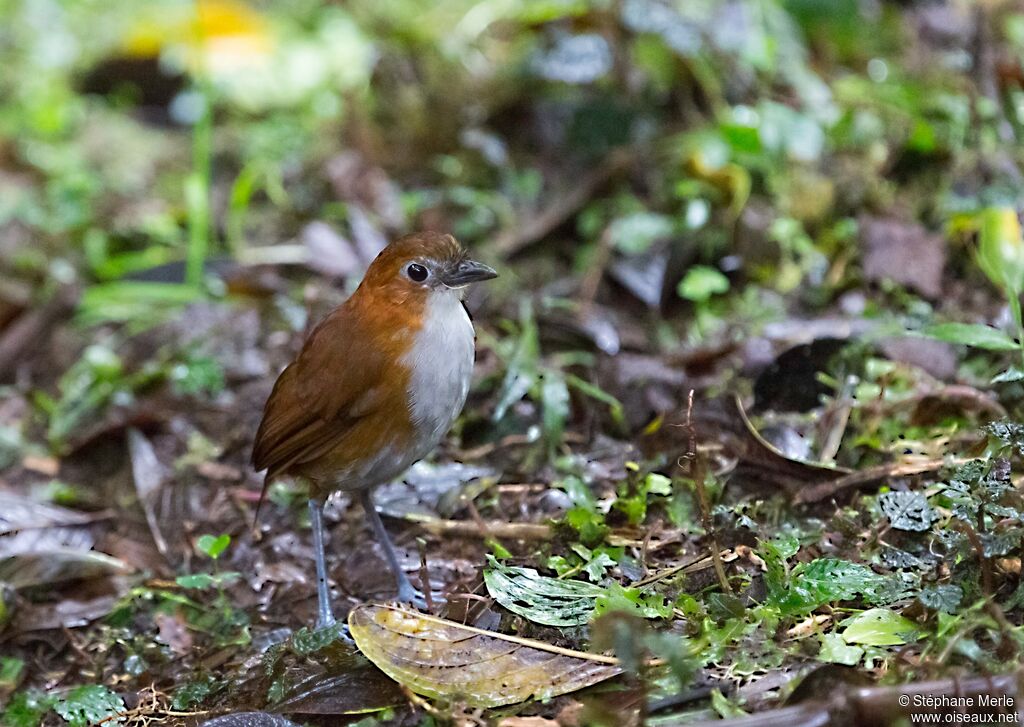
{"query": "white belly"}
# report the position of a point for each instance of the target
(441, 362)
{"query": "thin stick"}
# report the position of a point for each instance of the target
(698, 473)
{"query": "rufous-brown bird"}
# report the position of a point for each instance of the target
(375, 387)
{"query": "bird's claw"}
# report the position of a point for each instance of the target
(412, 596)
(340, 629)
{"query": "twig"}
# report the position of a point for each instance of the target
(692, 566)
(493, 528)
(987, 579)
(891, 705)
(524, 233)
(698, 474)
(824, 490)
(595, 273)
(32, 329)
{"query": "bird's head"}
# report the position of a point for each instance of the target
(414, 266)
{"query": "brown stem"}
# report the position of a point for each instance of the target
(698, 473)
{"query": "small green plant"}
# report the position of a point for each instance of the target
(225, 622)
(1000, 256)
(546, 382)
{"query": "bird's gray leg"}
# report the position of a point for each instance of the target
(406, 592)
(324, 616)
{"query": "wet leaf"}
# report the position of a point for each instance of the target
(541, 599)
(332, 679)
(879, 627)
(826, 580)
(446, 660)
(907, 510)
(90, 704)
(945, 597)
(249, 719)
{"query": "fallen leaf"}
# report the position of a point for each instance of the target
(24, 513)
(903, 252)
(249, 719)
(527, 722)
(446, 660)
(23, 570)
(173, 632)
(148, 476)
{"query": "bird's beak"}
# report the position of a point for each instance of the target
(466, 272)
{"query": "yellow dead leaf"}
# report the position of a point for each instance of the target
(445, 660)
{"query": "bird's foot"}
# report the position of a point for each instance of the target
(325, 621)
(413, 596)
(407, 593)
(339, 628)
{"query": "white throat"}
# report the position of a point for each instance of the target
(441, 363)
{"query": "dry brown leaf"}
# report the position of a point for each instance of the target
(445, 660)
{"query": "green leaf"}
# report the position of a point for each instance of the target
(306, 642)
(196, 580)
(213, 546)
(598, 565)
(658, 484)
(975, 335)
(597, 393)
(1009, 376)
(634, 601)
(879, 627)
(826, 580)
(1000, 248)
(701, 283)
(554, 398)
(89, 704)
(635, 233)
(192, 693)
(10, 671)
(836, 651)
(775, 553)
(589, 524)
(26, 709)
(541, 599)
(521, 372)
(907, 510)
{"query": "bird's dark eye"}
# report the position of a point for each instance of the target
(417, 272)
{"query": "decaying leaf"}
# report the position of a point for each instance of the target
(907, 510)
(19, 513)
(541, 599)
(23, 570)
(446, 660)
(148, 477)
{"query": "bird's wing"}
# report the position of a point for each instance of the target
(333, 382)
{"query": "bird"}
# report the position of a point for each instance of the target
(375, 387)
